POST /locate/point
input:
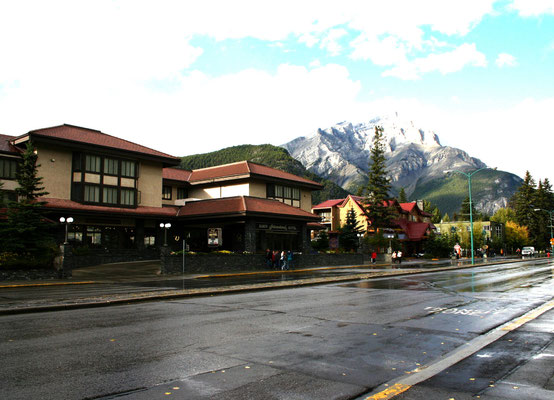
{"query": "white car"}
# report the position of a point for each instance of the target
(528, 251)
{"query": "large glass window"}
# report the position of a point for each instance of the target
(110, 195)
(128, 169)
(182, 193)
(111, 166)
(92, 163)
(92, 194)
(286, 194)
(128, 197)
(166, 192)
(7, 169)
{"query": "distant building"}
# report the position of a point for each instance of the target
(492, 230)
(411, 225)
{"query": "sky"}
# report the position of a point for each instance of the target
(188, 77)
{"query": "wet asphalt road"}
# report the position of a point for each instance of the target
(335, 341)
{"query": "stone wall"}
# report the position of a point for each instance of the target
(208, 263)
(28, 274)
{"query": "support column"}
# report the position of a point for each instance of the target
(250, 236)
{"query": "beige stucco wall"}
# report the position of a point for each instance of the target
(8, 184)
(306, 200)
(150, 184)
(216, 192)
(258, 189)
(55, 170)
(360, 217)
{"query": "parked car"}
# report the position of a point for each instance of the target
(528, 251)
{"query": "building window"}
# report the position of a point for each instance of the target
(7, 169)
(286, 194)
(92, 194)
(128, 169)
(6, 196)
(128, 197)
(166, 192)
(111, 166)
(182, 193)
(92, 163)
(110, 195)
(94, 235)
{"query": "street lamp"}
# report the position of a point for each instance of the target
(550, 213)
(165, 227)
(469, 175)
(66, 222)
(360, 236)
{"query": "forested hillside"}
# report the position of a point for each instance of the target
(266, 154)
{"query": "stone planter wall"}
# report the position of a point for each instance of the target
(209, 263)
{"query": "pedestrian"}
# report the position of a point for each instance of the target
(289, 259)
(393, 257)
(283, 260)
(269, 258)
(274, 259)
(399, 257)
(373, 257)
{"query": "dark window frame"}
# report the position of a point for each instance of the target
(167, 194)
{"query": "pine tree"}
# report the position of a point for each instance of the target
(349, 232)
(26, 233)
(523, 205)
(543, 203)
(402, 198)
(378, 187)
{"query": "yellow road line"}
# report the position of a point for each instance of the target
(458, 354)
(46, 284)
(389, 393)
(529, 317)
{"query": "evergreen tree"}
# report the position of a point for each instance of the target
(523, 205)
(378, 187)
(348, 238)
(26, 233)
(464, 211)
(446, 218)
(402, 198)
(543, 203)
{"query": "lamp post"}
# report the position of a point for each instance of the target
(469, 175)
(165, 227)
(550, 213)
(66, 222)
(360, 236)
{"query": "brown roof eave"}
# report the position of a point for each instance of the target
(166, 161)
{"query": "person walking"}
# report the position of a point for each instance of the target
(373, 257)
(289, 259)
(399, 257)
(283, 260)
(274, 260)
(393, 257)
(269, 258)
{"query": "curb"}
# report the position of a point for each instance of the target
(109, 300)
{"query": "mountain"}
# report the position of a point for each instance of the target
(272, 156)
(416, 161)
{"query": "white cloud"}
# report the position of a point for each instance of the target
(202, 114)
(331, 41)
(533, 8)
(445, 63)
(505, 60)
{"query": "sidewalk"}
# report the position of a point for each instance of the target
(105, 276)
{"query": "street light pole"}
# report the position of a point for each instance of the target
(469, 175)
(66, 222)
(165, 227)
